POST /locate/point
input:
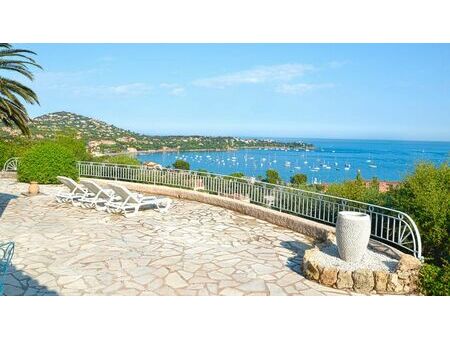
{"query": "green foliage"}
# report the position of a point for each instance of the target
(299, 180)
(118, 159)
(77, 146)
(181, 164)
(238, 175)
(13, 94)
(358, 190)
(12, 149)
(44, 161)
(272, 177)
(425, 196)
(434, 280)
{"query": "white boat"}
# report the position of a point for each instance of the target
(372, 165)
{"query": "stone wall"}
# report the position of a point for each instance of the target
(402, 281)
(8, 174)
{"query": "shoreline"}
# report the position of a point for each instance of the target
(175, 150)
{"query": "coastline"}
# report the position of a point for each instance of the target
(176, 150)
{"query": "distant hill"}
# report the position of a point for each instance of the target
(106, 138)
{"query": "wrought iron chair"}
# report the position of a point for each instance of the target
(6, 254)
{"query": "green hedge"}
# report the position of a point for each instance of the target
(45, 161)
(180, 164)
(435, 280)
(425, 196)
(12, 149)
(118, 159)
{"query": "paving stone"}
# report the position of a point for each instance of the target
(275, 290)
(174, 280)
(253, 286)
(195, 249)
(230, 292)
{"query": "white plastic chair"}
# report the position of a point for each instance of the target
(99, 197)
(131, 202)
(76, 191)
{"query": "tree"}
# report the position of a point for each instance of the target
(238, 175)
(425, 196)
(273, 177)
(180, 164)
(14, 94)
(299, 180)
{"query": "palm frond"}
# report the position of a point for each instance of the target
(12, 92)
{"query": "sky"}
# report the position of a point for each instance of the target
(361, 91)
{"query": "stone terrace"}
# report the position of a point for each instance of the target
(194, 249)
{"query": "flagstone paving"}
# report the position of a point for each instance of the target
(194, 249)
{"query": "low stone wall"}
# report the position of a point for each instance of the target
(402, 281)
(301, 225)
(8, 174)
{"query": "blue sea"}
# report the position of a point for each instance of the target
(331, 161)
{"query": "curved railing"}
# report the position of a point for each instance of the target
(11, 164)
(388, 225)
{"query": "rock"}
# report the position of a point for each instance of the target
(413, 282)
(331, 238)
(381, 280)
(328, 276)
(408, 262)
(310, 267)
(403, 274)
(344, 280)
(311, 270)
(363, 280)
(394, 284)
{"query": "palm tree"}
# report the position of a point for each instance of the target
(12, 110)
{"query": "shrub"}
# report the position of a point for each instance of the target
(180, 164)
(425, 196)
(13, 148)
(272, 177)
(77, 146)
(118, 159)
(6, 152)
(299, 179)
(358, 191)
(434, 280)
(46, 160)
(238, 175)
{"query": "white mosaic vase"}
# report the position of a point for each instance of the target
(352, 235)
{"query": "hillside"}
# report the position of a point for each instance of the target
(106, 138)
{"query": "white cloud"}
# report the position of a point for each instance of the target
(174, 89)
(301, 88)
(129, 89)
(257, 75)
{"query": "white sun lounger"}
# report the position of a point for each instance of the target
(132, 202)
(76, 191)
(99, 197)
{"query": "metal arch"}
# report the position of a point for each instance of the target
(11, 164)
